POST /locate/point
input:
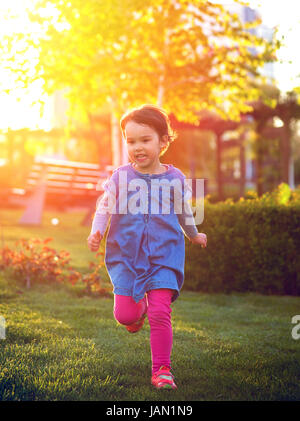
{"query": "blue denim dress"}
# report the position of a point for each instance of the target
(144, 250)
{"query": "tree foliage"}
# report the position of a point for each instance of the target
(186, 56)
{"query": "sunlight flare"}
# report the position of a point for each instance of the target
(21, 107)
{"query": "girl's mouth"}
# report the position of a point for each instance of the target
(140, 157)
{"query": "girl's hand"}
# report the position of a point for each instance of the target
(200, 239)
(94, 241)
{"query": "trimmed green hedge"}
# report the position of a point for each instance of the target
(253, 245)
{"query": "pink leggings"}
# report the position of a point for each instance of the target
(157, 304)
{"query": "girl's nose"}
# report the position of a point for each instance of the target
(138, 148)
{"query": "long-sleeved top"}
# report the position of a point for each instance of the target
(102, 217)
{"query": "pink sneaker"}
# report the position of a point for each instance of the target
(136, 326)
(163, 379)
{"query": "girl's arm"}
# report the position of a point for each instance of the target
(99, 224)
(102, 216)
(104, 209)
(191, 231)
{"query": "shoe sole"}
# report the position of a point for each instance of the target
(166, 386)
(139, 328)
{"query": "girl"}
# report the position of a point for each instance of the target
(145, 250)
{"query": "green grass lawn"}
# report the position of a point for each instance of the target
(59, 346)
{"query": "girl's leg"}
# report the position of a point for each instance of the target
(161, 335)
(127, 311)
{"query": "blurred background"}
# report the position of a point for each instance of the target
(227, 73)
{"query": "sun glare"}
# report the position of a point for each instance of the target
(285, 16)
(20, 107)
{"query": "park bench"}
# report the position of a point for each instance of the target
(60, 184)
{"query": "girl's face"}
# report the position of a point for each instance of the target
(144, 146)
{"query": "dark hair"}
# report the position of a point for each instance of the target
(151, 116)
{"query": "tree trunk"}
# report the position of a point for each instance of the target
(115, 140)
(192, 157)
(259, 156)
(28, 282)
(219, 169)
(161, 91)
(259, 172)
(242, 167)
(286, 152)
(291, 173)
(162, 77)
(125, 158)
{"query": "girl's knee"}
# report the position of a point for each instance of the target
(124, 318)
(126, 311)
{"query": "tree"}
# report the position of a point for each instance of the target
(185, 56)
